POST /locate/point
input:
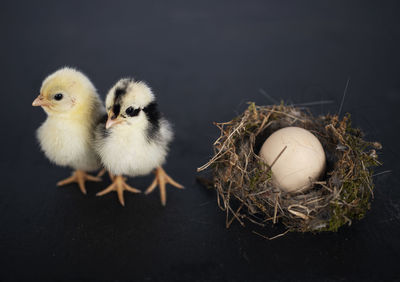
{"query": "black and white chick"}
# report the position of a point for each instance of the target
(133, 139)
(73, 110)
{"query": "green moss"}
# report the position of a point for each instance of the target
(353, 204)
(354, 200)
(249, 128)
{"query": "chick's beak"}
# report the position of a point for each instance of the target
(112, 120)
(40, 101)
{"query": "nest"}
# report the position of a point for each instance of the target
(243, 182)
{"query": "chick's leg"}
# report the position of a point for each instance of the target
(79, 176)
(101, 172)
(161, 179)
(119, 185)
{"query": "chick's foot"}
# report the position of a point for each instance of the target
(79, 176)
(161, 179)
(119, 185)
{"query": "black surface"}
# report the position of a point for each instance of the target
(204, 60)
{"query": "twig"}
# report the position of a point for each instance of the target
(276, 208)
(383, 172)
(278, 156)
(222, 148)
(316, 103)
(272, 238)
(264, 93)
(344, 95)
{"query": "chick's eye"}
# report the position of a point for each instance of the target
(129, 111)
(132, 112)
(58, 96)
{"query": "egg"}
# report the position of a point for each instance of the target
(296, 156)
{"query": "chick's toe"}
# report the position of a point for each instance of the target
(79, 176)
(118, 185)
(161, 179)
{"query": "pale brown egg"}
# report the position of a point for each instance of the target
(301, 162)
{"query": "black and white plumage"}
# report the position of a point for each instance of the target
(133, 139)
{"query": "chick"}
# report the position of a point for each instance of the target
(134, 139)
(73, 109)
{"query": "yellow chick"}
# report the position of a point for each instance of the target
(73, 109)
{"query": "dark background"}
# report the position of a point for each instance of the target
(205, 60)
